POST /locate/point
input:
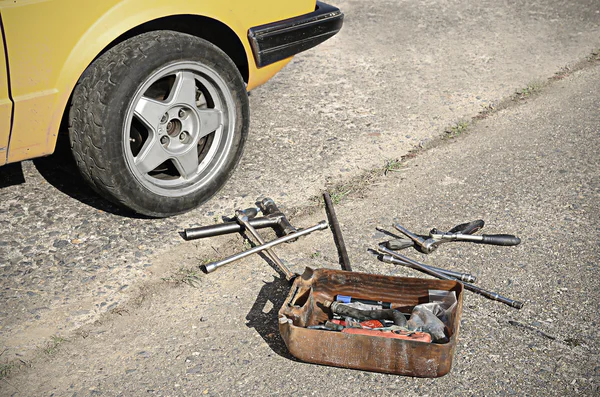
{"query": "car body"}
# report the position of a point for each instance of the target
(49, 45)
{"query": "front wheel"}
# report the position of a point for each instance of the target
(158, 122)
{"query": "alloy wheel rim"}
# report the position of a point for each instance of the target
(179, 129)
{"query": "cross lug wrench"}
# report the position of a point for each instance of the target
(211, 267)
(273, 218)
(242, 218)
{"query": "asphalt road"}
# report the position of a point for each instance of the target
(531, 170)
(392, 80)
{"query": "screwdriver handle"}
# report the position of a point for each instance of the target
(500, 239)
(492, 239)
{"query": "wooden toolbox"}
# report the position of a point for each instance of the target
(304, 307)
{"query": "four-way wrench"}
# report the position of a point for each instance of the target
(273, 218)
(246, 221)
(242, 218)
(211, 267)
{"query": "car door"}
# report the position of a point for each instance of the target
(5, 101)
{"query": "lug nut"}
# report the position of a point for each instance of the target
(183, 136)
(164, 118)
(182, 113)
(164, 140)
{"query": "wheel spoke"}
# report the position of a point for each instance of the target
(184, 89)
(150, 112)
(151, 156)
(187, 164)
(210, 120)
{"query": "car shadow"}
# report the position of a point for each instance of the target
(11, 175)
(60, 170)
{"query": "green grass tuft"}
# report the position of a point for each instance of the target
(53, 344)
(189, 276)
(457, 129)
(392, 165)
(528, 91)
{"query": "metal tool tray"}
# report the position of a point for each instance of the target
(304, 307)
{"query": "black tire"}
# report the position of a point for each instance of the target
(106, 132)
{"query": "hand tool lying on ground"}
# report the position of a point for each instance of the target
(242, 218)
(293, 236)
(337, 233)
(467, 277)
(464, 228)
(396, 258)
(273, 218)
(246, 221)
(462, 232)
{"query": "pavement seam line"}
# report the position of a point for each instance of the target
(533, 89)
(358, 184)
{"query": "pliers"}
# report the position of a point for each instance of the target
(462, 232)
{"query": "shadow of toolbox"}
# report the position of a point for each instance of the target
(304, 307)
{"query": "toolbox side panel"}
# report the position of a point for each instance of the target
(370, 353)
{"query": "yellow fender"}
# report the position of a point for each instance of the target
(50, 43)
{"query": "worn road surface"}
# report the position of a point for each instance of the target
(531, 170)
(93, 301)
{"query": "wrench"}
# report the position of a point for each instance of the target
(436, 238)
(211, 267)
(242, 218)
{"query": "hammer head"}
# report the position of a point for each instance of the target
(269, 209)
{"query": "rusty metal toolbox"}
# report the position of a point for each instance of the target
(304, 307)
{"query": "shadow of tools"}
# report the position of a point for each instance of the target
(272, 294)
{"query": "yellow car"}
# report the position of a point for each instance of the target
(153, 92)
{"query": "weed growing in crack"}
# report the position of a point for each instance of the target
(53, 344)
(561, 74)
(528, 91)
(189, 276)
(6, 369)
(338, 195)
(457, 129)
(486, 111)
(392, 165)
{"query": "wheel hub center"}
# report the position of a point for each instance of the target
(174, 128)
(179, 129)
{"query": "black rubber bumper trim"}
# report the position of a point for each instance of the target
(280, 40)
